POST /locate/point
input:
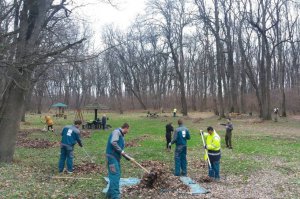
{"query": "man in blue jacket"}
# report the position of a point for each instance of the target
(70, 136)
(181, 135)
(114, 151)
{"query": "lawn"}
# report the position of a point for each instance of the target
(265, 161)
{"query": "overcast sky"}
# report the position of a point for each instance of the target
(99, 14)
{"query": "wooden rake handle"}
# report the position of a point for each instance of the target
(139, 165)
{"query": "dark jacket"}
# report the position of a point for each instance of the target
(181, 135)
(169, 130)
(70, 136)
(115, 144)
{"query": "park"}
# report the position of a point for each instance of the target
(264, 162)
(149, 99)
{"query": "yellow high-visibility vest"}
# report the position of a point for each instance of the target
(213, 141)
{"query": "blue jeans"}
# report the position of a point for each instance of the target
(180, 160)
(66, 152)
(214, 171)
(114, 174)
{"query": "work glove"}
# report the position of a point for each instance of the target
(126, 156)
(201, 132)
(80, 144)
(204, 147)
(169, 144)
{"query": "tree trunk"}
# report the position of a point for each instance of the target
(10, 115)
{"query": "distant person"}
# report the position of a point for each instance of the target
(213, 145)
(228, 135)
(104, 118)
(181, 135)
(49, 123)
(174, 112)
(276, 111)
(70, 136)
(169, 130)
(114, 151)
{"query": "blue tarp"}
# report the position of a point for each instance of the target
(194, 187)
(123, 182)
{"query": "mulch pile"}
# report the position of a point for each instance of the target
(135, 142)
(160, 180)
(88, 167)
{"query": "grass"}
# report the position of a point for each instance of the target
(255, 146)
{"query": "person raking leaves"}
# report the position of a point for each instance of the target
(213, 146)
(114, 151)
(70, 135)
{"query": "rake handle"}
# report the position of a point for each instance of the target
(139, 165)
(208, 160)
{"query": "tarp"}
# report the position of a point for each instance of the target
(194, 187)
(59, 105)
(123, 182)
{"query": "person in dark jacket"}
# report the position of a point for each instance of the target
(181, 135)
(104, 121)
(169, 130)
(70, 136)
(114, 151)
(228, 135)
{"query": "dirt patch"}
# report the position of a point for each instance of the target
(88, 167)
(85, 134)
(197, 120)
(160, 180)
(36, 143)
(136, 141)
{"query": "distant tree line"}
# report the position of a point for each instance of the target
(219, 55)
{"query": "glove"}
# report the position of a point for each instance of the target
(169, 144)
(204, 147)
(201, 132)
(80, 144)
(126, 156)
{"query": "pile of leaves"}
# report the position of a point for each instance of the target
(36, 143)
(160, 180)
(197, 164)
(85, 134)
(135, 142)
(88, 167)
(24, 141)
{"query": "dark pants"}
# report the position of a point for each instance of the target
(114, 174)
(214, 170)
(174, 114)
(103, 125)
(50, 127)
(228, 139)
(66, 152)
(180, 160)
(168, 139)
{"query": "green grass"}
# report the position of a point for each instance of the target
(255, 146)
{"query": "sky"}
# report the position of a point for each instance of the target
(98, 14)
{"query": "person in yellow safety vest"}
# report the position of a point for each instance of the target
(213, 146)
(174, 112)
(49, 123)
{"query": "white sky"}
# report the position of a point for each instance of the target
(98, 14)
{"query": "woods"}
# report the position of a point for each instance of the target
(223, 56)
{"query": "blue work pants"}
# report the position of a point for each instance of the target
(180, 160)
(214, 171)
(66, 152)
(114, 174)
